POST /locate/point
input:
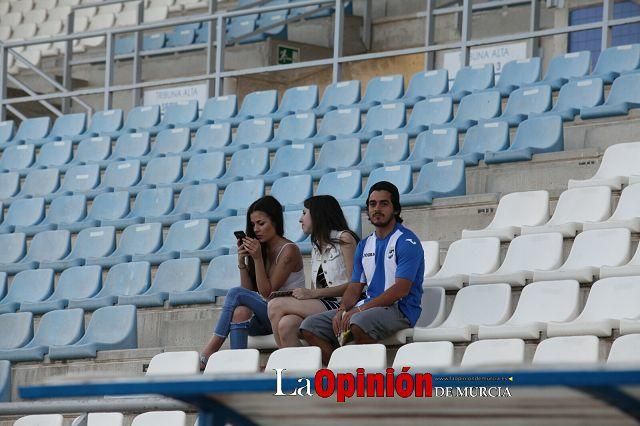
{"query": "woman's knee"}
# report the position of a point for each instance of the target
(289, 324)
(275, 308)
(241, 313)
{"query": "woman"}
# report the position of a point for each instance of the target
(333, 247)
(268, 262)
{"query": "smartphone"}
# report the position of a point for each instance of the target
(240, 235)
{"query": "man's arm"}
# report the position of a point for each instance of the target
(397, 291)
(351, 295)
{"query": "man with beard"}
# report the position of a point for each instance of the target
(390, 263)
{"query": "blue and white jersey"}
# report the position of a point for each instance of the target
(379, 262)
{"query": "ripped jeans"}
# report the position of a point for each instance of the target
(258, 325)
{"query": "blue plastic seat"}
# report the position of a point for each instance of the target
(110, 328)
(324, 13)
(425, 85)
(344, 185)
(32, 129)
(488, 136)
(193, 199)
(9, 185)
(94, 150)
(251, 132)
(148, 202)
(5, 381)
(17, 158)
(292, 228)
(240, 26)
(291, 191)
(174, 275)
(33, 285)
(337, 123)
(211, 137)
(578, 94)
(400, 175)
(254, 105)
(217, 109)
(381, 90)
(7, 131)
(46, 246)
(16, 330)
(534, 136)
(617, 60)
(119, 175)
(237, 196)
(130, 146)
(63, 327)
(155, 41)
(339, 95)
(296, 100)
(222, 274)
(135, 239)
(223, 240)
(178, 38)
(107, 206)
(386, 118)
(139, 119)
(445, 178)
(171, 141)
(184, 235)
(14, 247)
(291, 159)
(63, 210)
(336, 154)
(74, 283)
(562, 68)
(246, 164)
(267, 19)
(518, 73)
(432, 111)
(178, 114)
(23, 214)
(202, 34)
(624, 95)
(91, 243)
(40, 183)
(351, 214)
(526, 101)
(3, 278)
(472, 79)
(202, 168)
(162, 171)
(102, 122)
(432, 145)
(124, 45)
(66, 126)
(474, 108)
(78, 180)
(354, 218)
(123, 279)
(294, 128)
(384, 149)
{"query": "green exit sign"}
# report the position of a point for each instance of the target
(288, 55)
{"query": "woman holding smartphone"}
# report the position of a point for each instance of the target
(268, 262)
(333, 247)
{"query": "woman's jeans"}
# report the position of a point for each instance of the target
(258, 325)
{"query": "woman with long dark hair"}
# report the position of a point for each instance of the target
(268, 262)
(333, 247)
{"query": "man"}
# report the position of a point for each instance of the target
(390, 262)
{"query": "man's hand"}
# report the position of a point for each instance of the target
(337, 320)
(346, 319)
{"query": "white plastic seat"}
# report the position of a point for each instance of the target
(5, 31)
(87, 12)
(127, 18)
(48, 29)
(465, 257)
(4, 9)
(110, 8)
(40, 420)
(98, 22)
(105, 419)
(627, 213)
(575, 207)
(609, 301)
(526, 254)
(618, 163)
(164, 418)
(35, 16)
(494, 353)
(514, 211)
(424, 356)
(233, 361)
(174, 364)
(21, 5)
(624, 350)
(590, 251)
(539, 303)
(11, 19)
(431, 257)
(155, 14)
(267, 341)
(349, 358)
(45, 4)
(571, 350)
(477, 305)
(298, 361)
(630, 325)
(60, 13)
(24, 31)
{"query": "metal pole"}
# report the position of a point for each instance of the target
(466, 32)
(534, 25)
(221, 42)
(429, 57)
(213, 7)
(4, 57)
(211, 57)
(367, 24)
(67, 80)
(136, 94)
(108, 72)
(607, 15)
(337, 42)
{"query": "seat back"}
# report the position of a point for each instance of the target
(33, 128)
(127, 279)
(589, 204)
(32, 285)
(618, 59)
(301, 361)
(352, 215)
(494, 352)
(40, 182)
(235, 361)
(612, 298)
(345, 185)
(111, 325)
(517, 73)
(372, 357)
(7, 130)
(197, 199)
(143, 117)
(567, 350)
(569, 65)
(163, 170)
(387, 148)
(479, 106)
(222, 273)
(533, 252)
(16, 330)
(624, 350)
(339, 153)
(298, 99)
(399, 175)
(435, 144)
(293, 158)
(249, 163)
(341, 94)
(472, 79)
(297, 126)
(445, 178)
(622, 159)
(67, 210)
(292, 229)
(81, 178)
(240, 195)
(220, 108)
(109, 206)
(628, 204)
(433, 110)
(69, 125)
(424, 356)
(14, 247)
(9, 184)
(94, 243)
(172, 141)
(471, 256)
(176, 275)
(40, 419)
(140, 239)
(580, 94)
(25, 212)
(5, 380)
(174, 364)
(624, 89)
(433, 307)
(106, 121)
(530, 208)
(384, 89)
(17, 157)
(529, 100)
(389, 116)
(254, 132)
(343, 121)
(153, 202)
(600, 247)
(429, 83)
(291, 190)
(187, 235)
(49, 246)
(212, 136)
(58, 328)
(121, 174)
(431, 251)
(93, 150)
(487, 304)
(541, 133)
(183, 112)
(223, 237)
(546, 301)
(257, 104)
(205, 167)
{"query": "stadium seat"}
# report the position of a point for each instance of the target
(626, 215)
(17, 158)
(254, 105)
(168, 418)
(179, 38)
(171, 141)
(102, 122)
(399, 175)
(245, 164)
(23, 214)
(514, 211)
(291, 159)
(348, 358)
(32, 129)
(240, 26)
(294, 128)
(193, 199)
(28, 286)
(296, 100)
(3, 282)
(623, 96)
(40, 183)
(106, 207)
(432, 315)
(302, 361)
(424, 356)
(139, 119)
(474, 108)
(381, 90)
(14, 247)
(445, 178)
(155, 41)
(563, 68)
(104, 419)
(45, 246)
(518, 73)
(630, 269)
(291, 191)
(431, 251)
(425, 113)
(222, 242)
(131, 145)
(472, 79)
(90, 243)
(293, 230)
(5, 381)
(162, 171)
(62, 210)
(526, 254)
(124, 279)
(251, 132)
(237, 196)
(222, 274)
(93, 150)
(66, 126)
(465, 257)
(424, 85)
(384, 149)
(618, 163)
(343, 122)
(336, 154)
(624, 350)
(494, 353)
(567, 352)
(148, 203)
(174, 275)
(386, 118)
(17, 330)
(110, 328)
(178, 115)
(181, 363)
(7, 130)
(469, 311)
(617, 60)
(590, 251)
(431, 145)
(339, 95)
(211, 137)
(184, 235)
(78, 180)
(578, 94)
(575, 207)
(40, 420)
(526, 102)
(540, 303)
(233, 361)
(534, 136)
(217, 109)
(60, 327)
(9, 185)
(74, 283)
(344, 186)
(135, 239)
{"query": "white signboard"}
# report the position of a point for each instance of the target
(172, 95)
(497, 55)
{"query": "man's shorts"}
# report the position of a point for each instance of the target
(379, 323)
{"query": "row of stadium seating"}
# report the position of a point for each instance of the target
(151, 418)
